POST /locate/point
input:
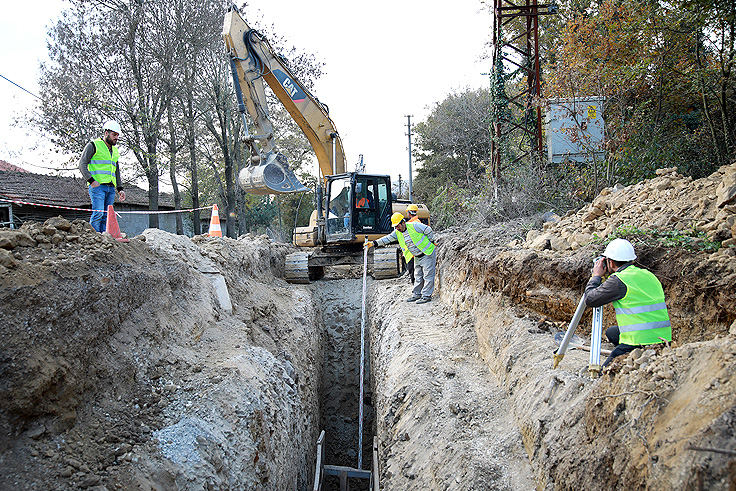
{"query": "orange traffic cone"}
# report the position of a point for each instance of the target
(112, 225)
(215, 230)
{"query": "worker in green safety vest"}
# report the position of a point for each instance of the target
(636, 295)
(99, 166)
(417, 241)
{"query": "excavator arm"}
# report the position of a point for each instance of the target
(253, 61)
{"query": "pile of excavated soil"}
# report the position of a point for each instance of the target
(660, 418)
(124, 367)
(671, 202)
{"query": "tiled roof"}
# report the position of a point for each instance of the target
(65, 191)
(8, 166)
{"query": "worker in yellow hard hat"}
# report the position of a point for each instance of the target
(412, 210)
(636, 295)
(416, 240)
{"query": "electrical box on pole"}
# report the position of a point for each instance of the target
(574, 130)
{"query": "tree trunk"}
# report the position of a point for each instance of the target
(192, 144)
(172, 170)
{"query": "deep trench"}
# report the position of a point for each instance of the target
(340, 304)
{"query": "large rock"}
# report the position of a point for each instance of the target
(6, 259)
(541, 242)
(10, 239)
(726, 191)
(559, 244)
(59, 222)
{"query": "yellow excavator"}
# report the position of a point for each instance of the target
(351, 206)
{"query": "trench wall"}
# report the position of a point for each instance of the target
(631, 428)
(122, 370)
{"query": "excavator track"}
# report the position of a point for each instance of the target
(386, 263)
(298, 269)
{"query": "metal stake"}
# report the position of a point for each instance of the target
(362, 361)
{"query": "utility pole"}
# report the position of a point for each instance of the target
(408, 125)
(360, 166)
(398, 195)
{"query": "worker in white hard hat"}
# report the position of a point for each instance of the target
(99, 166)
(417, 241)
(637, 296)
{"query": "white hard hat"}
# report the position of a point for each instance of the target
(112, 126)
(620, 250)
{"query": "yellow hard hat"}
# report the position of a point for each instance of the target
(412, 207)
(396, 219)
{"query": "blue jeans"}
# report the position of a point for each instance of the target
(102, 196)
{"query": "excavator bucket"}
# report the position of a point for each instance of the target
(273, 177)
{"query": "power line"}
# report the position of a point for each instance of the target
(22, 88)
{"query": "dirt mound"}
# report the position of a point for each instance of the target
(122, 367)
(671, 202)
(658, 419)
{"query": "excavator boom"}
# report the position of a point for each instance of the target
(253, 61)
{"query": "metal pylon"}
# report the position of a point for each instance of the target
(515, 117)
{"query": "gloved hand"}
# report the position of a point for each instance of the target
(368, 244)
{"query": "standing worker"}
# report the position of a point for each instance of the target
(412, 209)
(99, 166)
(637, 296)
(416, 239)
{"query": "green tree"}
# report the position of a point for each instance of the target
(665, 71)
(452, 145)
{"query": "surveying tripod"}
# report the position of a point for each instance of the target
(595, 338)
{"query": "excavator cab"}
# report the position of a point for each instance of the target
(357, 205)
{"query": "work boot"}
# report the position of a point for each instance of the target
(413, 298)
(424, 300)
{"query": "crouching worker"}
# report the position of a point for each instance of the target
(417, 240)
(637, 296)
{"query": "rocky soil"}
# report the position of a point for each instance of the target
(122, 369)
(175, 363)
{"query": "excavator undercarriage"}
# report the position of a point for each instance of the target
(307, 266)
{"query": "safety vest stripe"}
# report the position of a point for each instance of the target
(644, 326)
(640, 310)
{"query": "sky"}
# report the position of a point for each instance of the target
(383, 60)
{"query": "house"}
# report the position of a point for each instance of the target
(26, 196)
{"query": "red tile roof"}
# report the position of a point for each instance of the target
(8, 166)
